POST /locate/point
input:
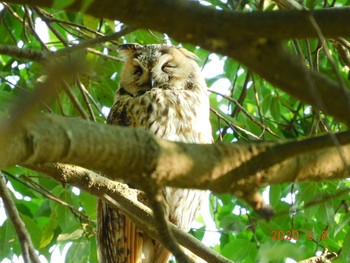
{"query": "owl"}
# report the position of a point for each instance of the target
(162, 91)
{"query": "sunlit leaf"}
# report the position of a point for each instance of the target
(49, 230)
(70, 236)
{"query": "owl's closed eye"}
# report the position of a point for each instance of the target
(157, 66)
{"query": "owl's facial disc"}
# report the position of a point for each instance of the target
(154, 72)
(157, 66)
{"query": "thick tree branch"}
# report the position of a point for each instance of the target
(162, 15)
(273, 62)
(22, 53)
(130, 154)
(121, 195)
(258, 49)
(28, 251)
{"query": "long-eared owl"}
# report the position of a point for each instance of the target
(162, 91)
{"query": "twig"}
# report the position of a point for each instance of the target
(344, 42)
(32, 28)
(75, 101)
(242, 95)
(20, 19)
(343, 51)
(83, 89)
(257, 101)
(41, 190)
(315, 202)
(50, 26)
(326, 50)
(71, 25)
(232, 126)
(245, 112)
(28, 251)
(85, 97)
(99, 53)
(339, 77)
(91, 42)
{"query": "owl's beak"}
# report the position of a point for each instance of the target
(152, 81)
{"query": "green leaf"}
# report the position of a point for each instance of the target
(93, 250)
(269, 228)
(240, 250)
(346, 247)
(278, 251)
(308, 192)
(91, 22)
(198, 233)
(9, 240)
(89, 203)
(326, 212)
(49, 230)
(33, 229)
(275, 108)
(340, 227)
(79, 251)
(76, 234)
(266, 104)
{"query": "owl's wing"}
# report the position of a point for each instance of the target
(119, 239)
(116, 236)
(119, 113)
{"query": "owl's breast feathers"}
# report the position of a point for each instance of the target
(176, 115)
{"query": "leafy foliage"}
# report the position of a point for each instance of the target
(310, 217)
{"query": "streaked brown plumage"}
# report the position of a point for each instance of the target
(162, 91)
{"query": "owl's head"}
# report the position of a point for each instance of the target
(158, 66)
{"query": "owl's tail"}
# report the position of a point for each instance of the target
(121, 241)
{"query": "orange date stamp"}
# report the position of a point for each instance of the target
(296, 235)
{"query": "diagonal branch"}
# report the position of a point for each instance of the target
(28, 251)
(118, 194)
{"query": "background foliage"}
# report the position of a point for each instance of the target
(244, 107)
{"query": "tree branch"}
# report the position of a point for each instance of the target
(42, 56)
(22, 53)
(127, 153)
(162, 15)
(326, 257)
(28, 251)
(118, 194)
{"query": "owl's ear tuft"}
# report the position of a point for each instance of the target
(125, 50)
(188, 54)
